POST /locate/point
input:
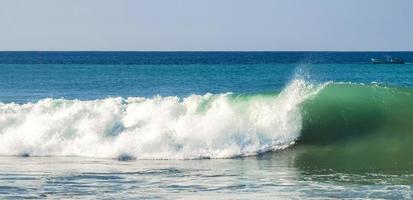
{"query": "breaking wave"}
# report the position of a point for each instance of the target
(199, 126)
(345, 118)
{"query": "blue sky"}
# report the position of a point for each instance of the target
(161, 25)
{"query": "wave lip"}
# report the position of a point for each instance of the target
(199, 126)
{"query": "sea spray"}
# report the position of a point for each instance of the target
(199, 126)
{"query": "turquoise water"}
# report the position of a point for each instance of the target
(205, 125)
(31, 82)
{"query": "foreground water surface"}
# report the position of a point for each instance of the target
(277, 175)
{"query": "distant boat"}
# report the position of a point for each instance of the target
(390, 60)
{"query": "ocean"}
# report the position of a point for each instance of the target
(205, 125)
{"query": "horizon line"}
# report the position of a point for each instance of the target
(218, 51)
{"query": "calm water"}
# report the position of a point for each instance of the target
(31, 82)
(221, 125)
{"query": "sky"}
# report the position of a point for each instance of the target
(208, 25)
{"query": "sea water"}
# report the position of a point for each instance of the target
(221, 125)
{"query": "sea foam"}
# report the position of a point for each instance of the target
(198, 126)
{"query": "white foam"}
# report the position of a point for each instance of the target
(208, 126)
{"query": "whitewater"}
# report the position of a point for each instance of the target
(199, 126)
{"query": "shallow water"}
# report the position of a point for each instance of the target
(275, 175)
